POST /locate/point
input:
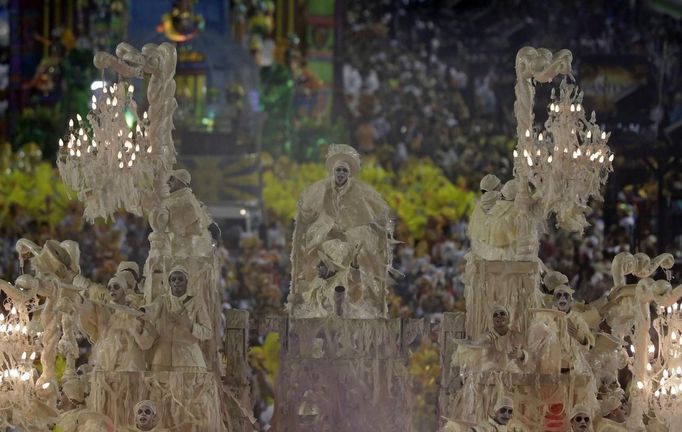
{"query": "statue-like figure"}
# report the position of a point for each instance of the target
(180, 321)
(499, 420)
(609, 387)
(490, 193)
(123, 338)
(191, 229)
(130, 271)
(502, 414)
(505, 350)
(342, 239)
(614, 415)
(75, 416)
(581, 419)
(147, 417)
(560, 339)
(494, 226)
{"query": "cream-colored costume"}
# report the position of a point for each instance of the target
(608, 405)
(490, 424)
(584, 411)
(499, 347)
(339, 225)
(606, 425)
(119, 344)
(188, 220)
(497, 355)
(321, 291)
(494, 225)
(81, 418)
(553, 348)
(122, 346)
(177, 346)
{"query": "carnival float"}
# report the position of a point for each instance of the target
(523, 357)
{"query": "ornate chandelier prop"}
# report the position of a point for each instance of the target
(112, 158)
(665, 370)
(20, 347)
(661, 384)
(569, 160)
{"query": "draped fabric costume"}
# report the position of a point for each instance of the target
(121, 347)
(495, 233)
(557, 352)
(339, 225)
(177, 347)
(490, 426)
(606, 425)
(554, 348)
(499, 347)
(83, 420)
(188, 223)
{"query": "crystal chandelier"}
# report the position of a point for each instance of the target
(114, 159)
(568, 158)
(664, 371)
(19, 349)
(106, 158)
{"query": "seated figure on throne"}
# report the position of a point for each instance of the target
(500, 348)
(342, 238)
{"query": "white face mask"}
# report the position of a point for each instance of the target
(341, 174)
(145, 415)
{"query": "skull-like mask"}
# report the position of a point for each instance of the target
(580, 422)
(145, 415)
(563, 300)
(116, 291)
(503, 415)
(501, 321)
(341, 174)
(178, 283)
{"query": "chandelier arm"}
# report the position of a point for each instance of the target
(104, 60)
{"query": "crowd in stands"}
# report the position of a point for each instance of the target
(421, 80)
